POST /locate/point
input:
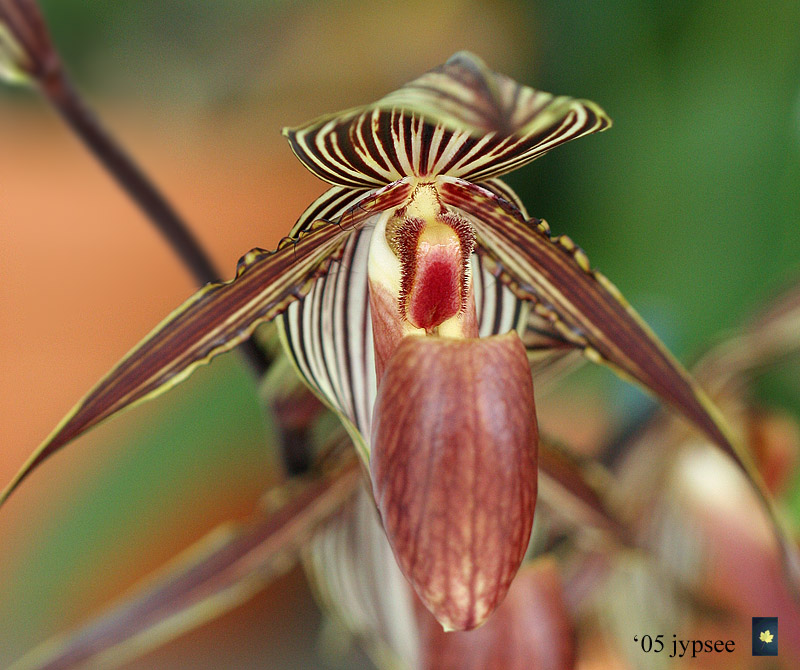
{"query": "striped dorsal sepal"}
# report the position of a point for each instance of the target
(459, 119)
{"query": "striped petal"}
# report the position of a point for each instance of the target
(459, 119)
(328, 333)
(554, 274)
(330, 206)
(213, 321)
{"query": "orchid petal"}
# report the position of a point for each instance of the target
(212, 321)
(554, 274)
(459, 119)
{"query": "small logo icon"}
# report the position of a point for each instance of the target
(765, 636)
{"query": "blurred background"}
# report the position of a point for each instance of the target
(690, 204)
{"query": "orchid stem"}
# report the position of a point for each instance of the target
(40, 61)
(142, 191)
(61, 94)
(132, 180)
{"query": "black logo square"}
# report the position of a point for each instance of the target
(765, 636)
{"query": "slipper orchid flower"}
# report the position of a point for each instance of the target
(415, 297)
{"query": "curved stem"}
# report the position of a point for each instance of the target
(41, 62)
(142, 191)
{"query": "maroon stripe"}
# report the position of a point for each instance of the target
(585, 305)
(183, 340)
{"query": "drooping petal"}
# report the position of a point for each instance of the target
(550, 354)
(453, 468)
(499, 310)
(459, 119)
(213, 321)
(554, 274)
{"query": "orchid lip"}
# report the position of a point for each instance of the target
(453, 469)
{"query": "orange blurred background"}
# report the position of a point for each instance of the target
(689, 204)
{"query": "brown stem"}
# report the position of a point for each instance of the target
(141, 190)
(42, 63)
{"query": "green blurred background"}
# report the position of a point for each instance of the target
(690, 204)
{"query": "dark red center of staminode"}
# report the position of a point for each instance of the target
(436, 294)
(434, 258)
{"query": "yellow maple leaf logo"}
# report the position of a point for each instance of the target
(766, 636)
